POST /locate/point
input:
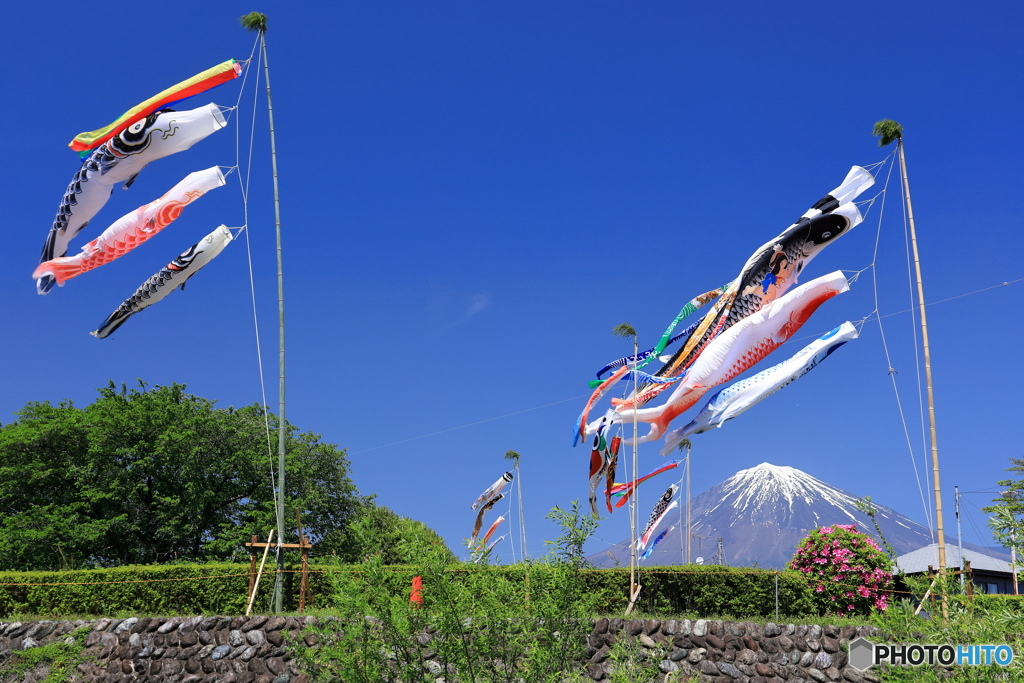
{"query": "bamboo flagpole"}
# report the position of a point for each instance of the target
(627, 330)
(256, 21)
(634, 584)
(889, 130)
(939, 526)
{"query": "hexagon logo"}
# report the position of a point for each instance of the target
(862, 654)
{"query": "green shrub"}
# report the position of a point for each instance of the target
(526, 622)
(704, 590)
(221, 588)
(521, 623)
(218, 588)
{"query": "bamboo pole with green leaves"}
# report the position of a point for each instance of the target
(627, 330)
(257, 21)
(888, 131)
(514, 457)
(686, 445)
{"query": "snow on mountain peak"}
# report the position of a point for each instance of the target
(766, 485)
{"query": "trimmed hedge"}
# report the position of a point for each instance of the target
(218, 588)
(995, 602)
(704, 590)
(707, 590)
(221, 589)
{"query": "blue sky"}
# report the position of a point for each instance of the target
(475, 194)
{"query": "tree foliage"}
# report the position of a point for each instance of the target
(155, 474)
(379, 532)
(577, 528)
(1007, 510)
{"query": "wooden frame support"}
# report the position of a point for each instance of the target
(304, 546)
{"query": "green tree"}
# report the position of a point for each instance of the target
(379, 532)
(45, 521)
(155, 474)
(1008, 510)
(1007, 529)
(1011, 498)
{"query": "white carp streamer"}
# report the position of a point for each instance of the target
(738, 398)
(171, 277)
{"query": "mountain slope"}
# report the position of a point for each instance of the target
(761, 514)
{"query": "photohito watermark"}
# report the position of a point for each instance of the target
(864, 654)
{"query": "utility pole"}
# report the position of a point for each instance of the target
(959, 535)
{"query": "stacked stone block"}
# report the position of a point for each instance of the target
(260, 649)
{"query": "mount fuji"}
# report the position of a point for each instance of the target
(761, 514)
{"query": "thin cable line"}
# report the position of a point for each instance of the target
(888, 357)
(511, 540)
(974, 525)
(873, 316)
(471, 424)
(241, 89)
(244, 185)
(1005, 283)
(917, 345)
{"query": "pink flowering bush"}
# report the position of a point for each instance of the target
(849, 572)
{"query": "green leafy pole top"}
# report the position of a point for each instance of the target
(254, 21)
(628, 331)
(624, 330)
(887, 131)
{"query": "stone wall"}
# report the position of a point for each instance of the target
(723, 652)
(172, 650)
(258, 649)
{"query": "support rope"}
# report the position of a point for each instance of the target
(244, 181)
(888, 357)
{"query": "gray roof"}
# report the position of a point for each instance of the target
(918, 560)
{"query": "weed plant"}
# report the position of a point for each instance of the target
(977, 621)
(53, 663)
(527, 623)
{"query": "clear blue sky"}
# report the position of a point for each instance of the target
(475, 194)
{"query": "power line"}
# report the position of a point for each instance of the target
(581, 396)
